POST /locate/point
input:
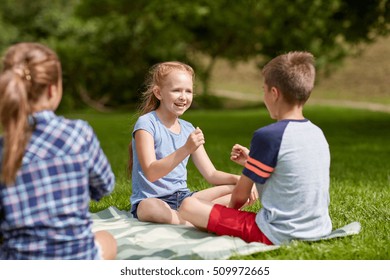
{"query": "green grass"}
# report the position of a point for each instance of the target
(360, 171)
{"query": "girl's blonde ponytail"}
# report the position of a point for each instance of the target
(28, 70)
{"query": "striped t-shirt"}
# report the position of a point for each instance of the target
(289, 161)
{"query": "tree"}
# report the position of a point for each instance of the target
(130, 36)
(240, 30)
(221, 29)
(107, 47)
(39, 21)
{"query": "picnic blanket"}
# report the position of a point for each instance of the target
(139, 240)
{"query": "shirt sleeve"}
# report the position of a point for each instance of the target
(264, 150)
(101, 177)
(145, 123)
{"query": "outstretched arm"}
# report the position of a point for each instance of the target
(208, 170)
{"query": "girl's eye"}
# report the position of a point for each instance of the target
(179, 91)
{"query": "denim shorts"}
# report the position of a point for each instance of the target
(174, 200)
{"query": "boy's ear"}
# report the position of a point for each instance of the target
(157, 92)
(50, 91)
(275, 93)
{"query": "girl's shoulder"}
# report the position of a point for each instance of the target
(148, 122)
(78, 126)
(48, 124)
(151, 116)
(148, 119)
(49, 118)
(58, 136)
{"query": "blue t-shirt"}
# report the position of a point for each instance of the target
(165, 143)
(289, 161)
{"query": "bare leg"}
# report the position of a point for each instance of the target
(157, 211)
(223, 200)
(218, 194)
(107, 243)
(196, 211)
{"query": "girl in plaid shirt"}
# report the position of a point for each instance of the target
(50, 166)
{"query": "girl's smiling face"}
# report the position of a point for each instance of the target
(175, 93)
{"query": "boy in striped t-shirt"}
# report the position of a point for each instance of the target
(288, 161)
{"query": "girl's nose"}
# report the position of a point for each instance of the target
(182, 95)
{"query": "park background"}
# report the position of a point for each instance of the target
(106, 48)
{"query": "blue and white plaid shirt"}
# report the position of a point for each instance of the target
(45, 214)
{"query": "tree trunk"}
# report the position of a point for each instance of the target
(97, 105)
(206, 76)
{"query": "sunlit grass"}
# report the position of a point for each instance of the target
(360, 171)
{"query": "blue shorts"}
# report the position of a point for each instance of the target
(174, 201)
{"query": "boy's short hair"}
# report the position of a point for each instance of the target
(293, 74)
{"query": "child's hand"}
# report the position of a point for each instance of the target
(239, 154)
(195, 140)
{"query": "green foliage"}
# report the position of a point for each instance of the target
(360, 178)
(107, 47)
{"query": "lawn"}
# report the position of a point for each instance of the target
(360, 170)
